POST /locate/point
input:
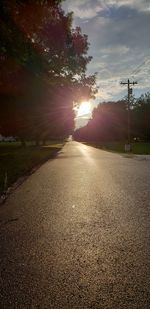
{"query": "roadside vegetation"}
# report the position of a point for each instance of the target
(43, 61)
(137, 148)
(107, 129)
(17, 161)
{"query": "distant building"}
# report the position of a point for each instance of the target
(7, 139)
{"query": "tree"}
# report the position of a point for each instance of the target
(140, 117)
(40, 48)
(108, 123)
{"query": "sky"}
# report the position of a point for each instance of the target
(119, 36)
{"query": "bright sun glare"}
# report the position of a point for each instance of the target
(84, 109)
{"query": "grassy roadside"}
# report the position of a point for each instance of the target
(137, 148)
(16, 161)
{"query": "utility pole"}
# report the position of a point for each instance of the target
(128, 83)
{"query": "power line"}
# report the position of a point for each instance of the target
(137, 69)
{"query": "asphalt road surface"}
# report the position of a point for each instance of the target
(75, 234)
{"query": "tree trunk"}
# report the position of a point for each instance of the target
(37, 142)
(23, 143)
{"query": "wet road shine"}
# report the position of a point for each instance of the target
(75, 234)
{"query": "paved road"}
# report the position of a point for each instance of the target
(76, 234)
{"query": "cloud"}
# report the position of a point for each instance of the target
(83, 9)
(116, 49)
(89, 9)
(140, 5)
(118, 33)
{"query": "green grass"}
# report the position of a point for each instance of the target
(141, 148)
(16, 161)
(137, 148)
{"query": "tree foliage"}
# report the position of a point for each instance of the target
(109, 122)
(141, 117)
(43, 63)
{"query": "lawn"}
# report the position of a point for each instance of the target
(16, 161)
(137, 148)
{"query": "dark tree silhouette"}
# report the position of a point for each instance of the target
(108, 123)
(43, 64)
(141, 117)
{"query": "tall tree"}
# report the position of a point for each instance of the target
(141, 117)
(40, 48)
(108, 123)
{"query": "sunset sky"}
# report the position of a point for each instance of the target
(119, 36)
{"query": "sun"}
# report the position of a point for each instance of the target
(84, 109)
